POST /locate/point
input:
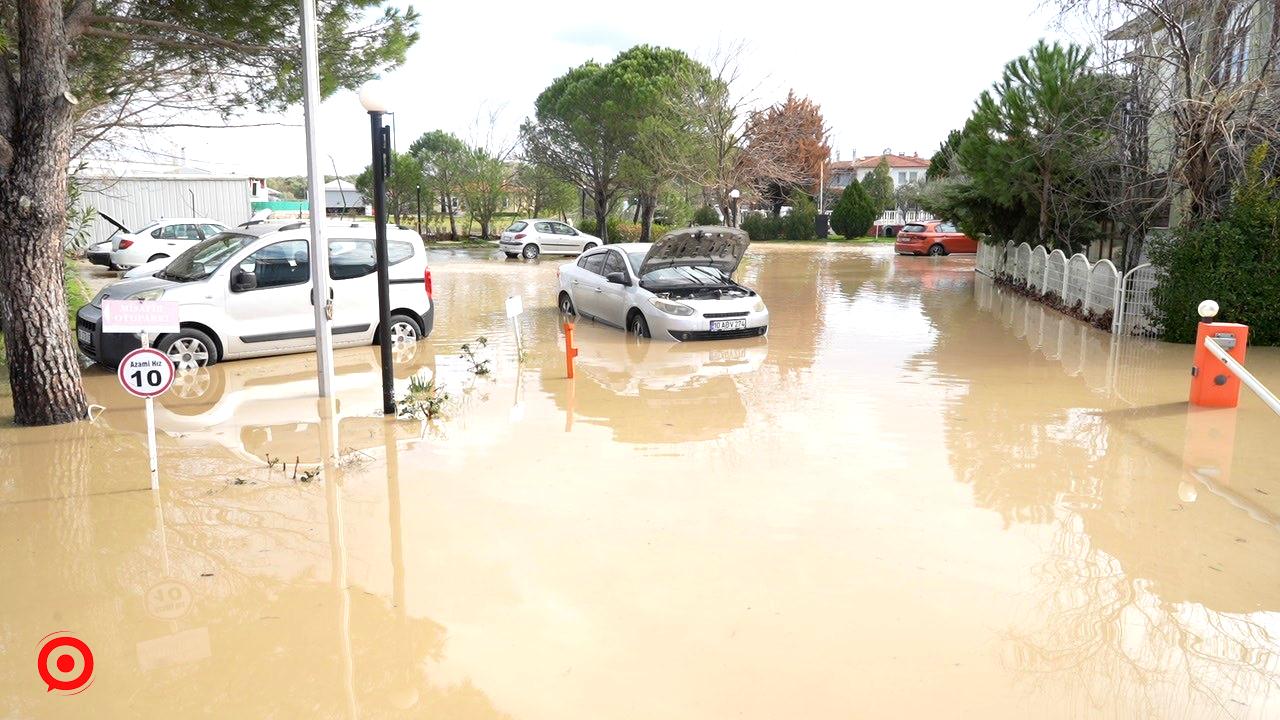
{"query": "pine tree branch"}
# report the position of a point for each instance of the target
(90, 25)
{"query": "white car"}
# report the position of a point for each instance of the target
(246, 293)
(165, 238)
(534, 237)
(678, 288)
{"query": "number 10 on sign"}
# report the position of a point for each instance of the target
(146, 373)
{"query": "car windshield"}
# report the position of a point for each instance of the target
(683, 276)
(201, 260)
(517, 226)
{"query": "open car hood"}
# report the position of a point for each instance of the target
(706, 246)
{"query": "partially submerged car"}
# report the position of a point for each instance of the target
(678, 288)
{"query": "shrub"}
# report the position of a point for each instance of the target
(706, 215)
(800, 224)
(1232, 261)
(853, 213)
(620, 231)
(762, 227)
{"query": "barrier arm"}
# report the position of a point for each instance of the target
(1245, 376)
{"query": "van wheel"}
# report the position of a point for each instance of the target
(531, 252)
(404, 329)
(937, 249)
(566, 304)
(189, 349)
(155, 257)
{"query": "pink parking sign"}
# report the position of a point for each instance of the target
(139, 316)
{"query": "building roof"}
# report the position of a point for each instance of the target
(895, 161)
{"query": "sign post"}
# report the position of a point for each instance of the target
(145, 372)
(515, 306)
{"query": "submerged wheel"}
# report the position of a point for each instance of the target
(510, 254)
(189, 349)
(937, 249)
(638, 326)
(566, 304)
(404, 329)
(589, 246)
(531, 252)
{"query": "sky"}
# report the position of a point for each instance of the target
(896, 74)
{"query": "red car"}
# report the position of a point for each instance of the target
(933, 238)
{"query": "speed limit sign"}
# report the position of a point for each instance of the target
(146, 372)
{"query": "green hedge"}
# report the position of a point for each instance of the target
(620, 231)
(1235, 261)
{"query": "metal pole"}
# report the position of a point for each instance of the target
(152, 461)
(378, 136)
(321, 301)
(419, 189)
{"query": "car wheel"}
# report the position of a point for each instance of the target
(189, 349)
(404, 329)
(531, 252)
(157, 256)
(566, 304)
(589, 246)
(937, 249)
(638, 326)
(510, 254)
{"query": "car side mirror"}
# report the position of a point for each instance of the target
(242, 281)
(617, 278)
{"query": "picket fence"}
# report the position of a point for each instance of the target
(1094, 290)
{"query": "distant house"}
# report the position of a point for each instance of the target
(342, 198)
(904, 169)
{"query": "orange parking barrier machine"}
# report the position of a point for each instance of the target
(1212, 383)
(570, 352)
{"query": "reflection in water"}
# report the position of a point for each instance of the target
(915, 479)
(1147, 601)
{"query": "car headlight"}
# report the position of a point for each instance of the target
(759, 307)
(153, 294)
(671, 308)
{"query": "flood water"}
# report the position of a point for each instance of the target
(920, 496)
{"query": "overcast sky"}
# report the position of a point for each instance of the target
(894, 74)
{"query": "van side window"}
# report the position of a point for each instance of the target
(284, 263)
(350, 259)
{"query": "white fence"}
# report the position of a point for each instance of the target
(1095, 291)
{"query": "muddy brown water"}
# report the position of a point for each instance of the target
(921, 496)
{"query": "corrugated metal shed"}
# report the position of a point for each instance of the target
(137, 200)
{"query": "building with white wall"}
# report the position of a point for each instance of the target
(136, 199)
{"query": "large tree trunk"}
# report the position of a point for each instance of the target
(43, 369)
(602, 215)
(453, 222)
(1044, 203)
(648, 207)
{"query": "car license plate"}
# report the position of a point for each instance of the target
(718, 325)
(84, 336)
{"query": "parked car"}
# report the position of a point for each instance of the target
(678, 288)
(100, 253)
(246, 293)
(935, 237)
(534, 237)
(160, 239)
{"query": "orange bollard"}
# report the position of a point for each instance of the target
(1212, 384)
(570, 352)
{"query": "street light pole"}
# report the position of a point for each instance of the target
(372, 100)
(419, 189)
(734, 194)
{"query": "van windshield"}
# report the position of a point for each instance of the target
(204, 258)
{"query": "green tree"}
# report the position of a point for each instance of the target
(853, 213)
(544, 194)
(442, 155)
(483, 186)
(402, 185)
(706, 215)
(879, 186)
(75, 72)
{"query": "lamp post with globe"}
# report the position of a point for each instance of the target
(372, 98)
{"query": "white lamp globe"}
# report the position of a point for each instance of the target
(373, 96)
(735, 194)
(1208, 309)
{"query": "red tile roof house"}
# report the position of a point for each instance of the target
(904, 169)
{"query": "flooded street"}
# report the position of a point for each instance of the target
(921, 496)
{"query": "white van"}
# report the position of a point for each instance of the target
(247, 292)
